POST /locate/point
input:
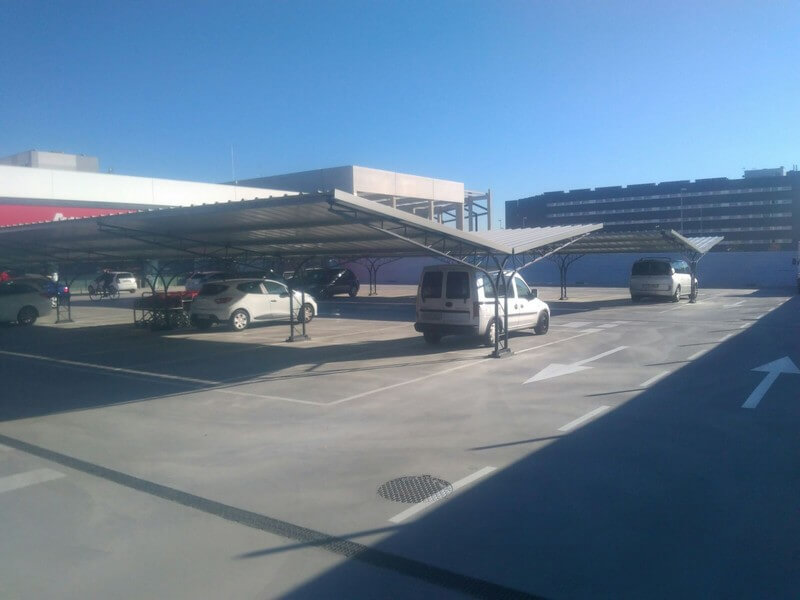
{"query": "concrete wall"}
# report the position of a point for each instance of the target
(55, 185)
(717, 269)
(340, 178)
(52, 160)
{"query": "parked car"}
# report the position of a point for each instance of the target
(56, 290)
(459, 300)
(660, 277)
(196, 280)
(121, 281)
(240, 302)
(324, 283)
(23, 301)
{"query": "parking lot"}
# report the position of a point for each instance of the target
(611, 457)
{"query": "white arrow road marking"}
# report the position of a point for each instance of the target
(21, 480)
(735, 304)
(773, 369)
(558, 369)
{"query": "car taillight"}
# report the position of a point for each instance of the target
(223, 300)
(476, 309)
(66, 289)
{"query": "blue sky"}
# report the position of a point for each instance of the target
(520, 97)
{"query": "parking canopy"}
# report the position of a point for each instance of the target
(660, 240)
(326, 224)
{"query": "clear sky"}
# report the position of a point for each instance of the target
(519, 97)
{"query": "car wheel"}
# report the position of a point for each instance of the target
(543, 324)
(306, 313)
(240, 320)
(353, 290)
(27, 315)
(432, 337)
(491, 333)
(677, 295)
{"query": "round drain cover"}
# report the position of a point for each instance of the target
(415, 488)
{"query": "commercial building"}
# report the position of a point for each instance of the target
(45, 186)
(759, 212)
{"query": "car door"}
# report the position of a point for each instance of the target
(525, 311)
(6, 301)
(255, 300)
(277, 295)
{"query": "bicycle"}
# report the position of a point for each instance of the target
(99, 293)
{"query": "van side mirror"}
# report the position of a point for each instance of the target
(534, 293)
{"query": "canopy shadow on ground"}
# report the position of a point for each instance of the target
(180, 358)
(679, 492)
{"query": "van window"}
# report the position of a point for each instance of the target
(457, 285)
(651, 267)
(488, 288)
(522, 288)
(432, 284)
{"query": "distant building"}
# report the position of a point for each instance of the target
(760, 211)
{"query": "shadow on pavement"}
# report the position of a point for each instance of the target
(678, 493)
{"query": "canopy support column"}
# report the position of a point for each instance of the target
(293, 335)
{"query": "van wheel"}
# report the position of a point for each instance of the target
(543, 324)
(432, 337)
(677, 295)
(491, 333)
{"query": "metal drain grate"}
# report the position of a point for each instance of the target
(415, 488)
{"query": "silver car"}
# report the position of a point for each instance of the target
(660, 277)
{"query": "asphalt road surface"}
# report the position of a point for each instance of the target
(636, 450)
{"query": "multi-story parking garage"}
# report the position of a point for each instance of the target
(758, 215)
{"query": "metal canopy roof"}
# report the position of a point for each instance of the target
(663, 240)
(322, 224)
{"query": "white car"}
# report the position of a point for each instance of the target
(240, 302)
(122, 281)
(454, 299)
(660, 277)
(23, 302)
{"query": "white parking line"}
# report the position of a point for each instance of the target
(653, 379)
(576, 324)
(761, 315)
(21, 480)
(435, 497)
(75, 363)
(584, 418)
(743, 325)
(698, 354)
(734, 305)
(725, 337)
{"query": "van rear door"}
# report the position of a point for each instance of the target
(430, 301)
(457, 307)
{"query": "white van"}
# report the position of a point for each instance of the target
(662, 277)
(459, 300)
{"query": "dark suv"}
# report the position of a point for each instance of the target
(324, 283)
